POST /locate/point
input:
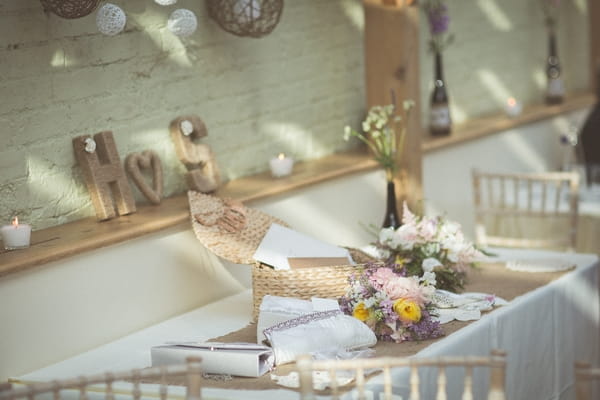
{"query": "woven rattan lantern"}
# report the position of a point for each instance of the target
(70, 9)
(253, 18)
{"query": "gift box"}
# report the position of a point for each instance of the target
(239, 359)
(233, 232)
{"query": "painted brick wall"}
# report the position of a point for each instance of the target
(291, 91)
(499, 51)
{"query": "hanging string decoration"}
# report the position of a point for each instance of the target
(110, 19)
(253, 18)
(182, 22)
(165, 2)
(70, 9)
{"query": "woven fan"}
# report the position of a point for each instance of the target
(70, 9)
(254, 18)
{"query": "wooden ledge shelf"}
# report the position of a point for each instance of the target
(59, 242)
(485, 126)
(56, 243)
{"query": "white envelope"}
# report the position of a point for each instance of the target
(239, 359)
(281, 243)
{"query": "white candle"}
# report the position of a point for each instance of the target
(281, 165)
(513, 107)
(16, 236)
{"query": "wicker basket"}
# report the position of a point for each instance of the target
(303, 283)
(329, 282)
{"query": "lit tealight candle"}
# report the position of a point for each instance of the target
(513, 107)
(281, 165)
(16, 236)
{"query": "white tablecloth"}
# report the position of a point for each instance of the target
(543, 332)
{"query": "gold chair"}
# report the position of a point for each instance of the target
(496, 363)
(101, 385)
(527, 210)
(585, 375)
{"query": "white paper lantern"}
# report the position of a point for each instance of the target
(110, 19)
(165, 2)
(182, 22)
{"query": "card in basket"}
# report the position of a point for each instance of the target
(281, 243)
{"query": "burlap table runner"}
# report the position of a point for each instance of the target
(488, 278)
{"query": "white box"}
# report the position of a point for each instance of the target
(239, 359)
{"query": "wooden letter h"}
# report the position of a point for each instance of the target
(104, 175)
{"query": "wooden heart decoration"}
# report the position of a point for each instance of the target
(135, 163)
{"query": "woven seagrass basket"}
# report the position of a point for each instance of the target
(303, 283)
(239, 247)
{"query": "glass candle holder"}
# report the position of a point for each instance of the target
(16, 236)
(281, 165)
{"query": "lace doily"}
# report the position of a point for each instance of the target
(463, 307)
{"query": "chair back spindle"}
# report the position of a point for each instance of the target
(495, 363)
(104, 383)
(514, 209)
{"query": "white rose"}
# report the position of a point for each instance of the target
(429, 277)
(429, 264)
(386, 235)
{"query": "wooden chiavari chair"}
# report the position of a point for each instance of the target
(585, 375)
(496, 363)
(517, 209)
(101, 386)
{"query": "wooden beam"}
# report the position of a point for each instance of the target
(392, 65)
(594, 17)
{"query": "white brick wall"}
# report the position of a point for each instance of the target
(291, 91)
(500, 50)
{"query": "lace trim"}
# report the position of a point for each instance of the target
(302, 320)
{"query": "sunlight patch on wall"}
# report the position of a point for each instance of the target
(524, 151)
(60, 60)
(581, 6)
(162, 37)
(495, 15)
(539, 78)
(458, 113)
(497, 89)
(290, 137)
(354, 12)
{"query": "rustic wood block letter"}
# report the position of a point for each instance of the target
(104, 175)
(148, 159)
(203, 173)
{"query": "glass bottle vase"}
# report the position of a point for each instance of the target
(555, 90)
(391, 219)
(440, 123)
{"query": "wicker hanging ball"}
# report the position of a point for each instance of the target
(110, 19)
(254, 18)
(182, 22)
(70, 9)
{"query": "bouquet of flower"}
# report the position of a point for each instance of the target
(380, 134)
(439, 20)
(423, 244)
(394, 306)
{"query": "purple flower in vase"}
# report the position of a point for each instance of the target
(439, 20)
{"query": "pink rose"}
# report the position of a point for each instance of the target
(381, 277)
(400, 287)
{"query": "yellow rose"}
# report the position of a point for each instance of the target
(409, 311)
(360, 312)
